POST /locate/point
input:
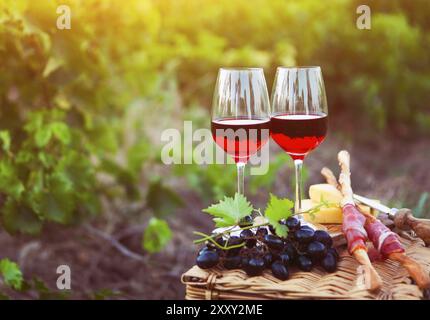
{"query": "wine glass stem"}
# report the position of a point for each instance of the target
(298, 166)
(240, 177)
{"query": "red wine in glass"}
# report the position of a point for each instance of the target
(240, 137)
(299, 115)
(297, 134)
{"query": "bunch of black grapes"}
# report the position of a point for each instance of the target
(303, 248)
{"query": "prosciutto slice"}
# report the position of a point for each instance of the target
(383, 239)
(353, 228)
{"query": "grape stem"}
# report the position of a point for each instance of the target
(211, 238)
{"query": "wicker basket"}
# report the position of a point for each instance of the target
(345, 283)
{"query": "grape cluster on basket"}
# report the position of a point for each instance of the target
(255, 249)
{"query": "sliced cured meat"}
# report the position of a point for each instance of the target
(383, 239)
(353, 228)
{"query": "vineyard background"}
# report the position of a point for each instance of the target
(81, 112)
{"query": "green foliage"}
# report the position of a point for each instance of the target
(277, 210)
(11, 274)
(156, 235)
(47, 177)
(104, 294)
(45, 293)
(277, 163)
(214, 181)
(161, 199)
(64, 99)
(67, 96)
(230, 211)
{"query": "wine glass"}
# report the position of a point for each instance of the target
(240, 115)
(298, 121)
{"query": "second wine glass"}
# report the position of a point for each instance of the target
(299, 115)
(240, 115)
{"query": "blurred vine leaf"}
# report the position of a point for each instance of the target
(5, 140)
(156, 235)
(123, 176)
(45, 293)
(105, 293)
(161, 199)
(419, 210)
(11, 274)
(19, 217)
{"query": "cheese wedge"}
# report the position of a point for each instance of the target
(332, 215)
(326, 192)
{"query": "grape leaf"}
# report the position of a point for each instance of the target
(43, 136)
(19, 217)
(5, 140)
(229, 211)
(61, 131)
(162, 199)
(276, 210)
(9, 180)
(11, 274)
(157, 234)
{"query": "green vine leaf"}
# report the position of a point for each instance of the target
(276, 210)
(156, 236)
(5, 140)
(11, 274)
(230, 211)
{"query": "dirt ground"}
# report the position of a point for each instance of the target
(95, 256)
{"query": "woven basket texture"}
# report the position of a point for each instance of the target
(346, 283)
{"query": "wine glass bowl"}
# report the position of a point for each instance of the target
(240, 114)
(299, 118)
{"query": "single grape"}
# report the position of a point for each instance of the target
(329, 263)
(304, 263)
(246, 221)
(207, 259)
(244, 262)
(426, 294)
(234, 240)
(205, 248)
(293, 224)
(316, 250)
(273, 242)
(232, 252)
(334, 252)
(268, 259)
(291, 250)
(302, 247)
(271, 229)
(323, 237)
(254, 267)
(284, 258)
(220, 241)
(232, 262)
(307, 227)
(279, 270)
(304, 235)
(261, 232)
(247, 234)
